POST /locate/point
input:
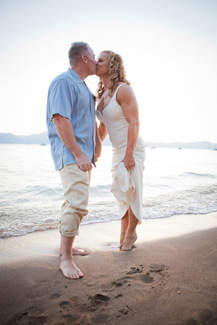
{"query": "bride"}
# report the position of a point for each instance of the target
(118, 114)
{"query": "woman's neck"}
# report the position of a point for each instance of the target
(105, 81)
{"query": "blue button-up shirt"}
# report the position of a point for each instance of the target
(69, 96)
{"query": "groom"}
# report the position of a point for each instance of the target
(71, 131)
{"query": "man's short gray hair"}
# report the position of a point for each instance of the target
(75, 52)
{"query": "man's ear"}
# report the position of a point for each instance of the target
(84, 58)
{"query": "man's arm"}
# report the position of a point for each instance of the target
(65, 132)
(128, 102)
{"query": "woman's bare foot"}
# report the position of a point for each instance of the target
(122, 237)
(70, 270)
(128, 242)
(124, 225)
(78, 251)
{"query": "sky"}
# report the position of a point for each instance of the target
(169, 48)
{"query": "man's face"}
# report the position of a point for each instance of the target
(91, 63)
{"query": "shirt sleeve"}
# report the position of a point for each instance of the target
(61, 99)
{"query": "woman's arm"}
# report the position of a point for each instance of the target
(98, 144)
(126, 98)
(102, 131)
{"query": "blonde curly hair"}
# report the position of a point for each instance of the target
(116, 73)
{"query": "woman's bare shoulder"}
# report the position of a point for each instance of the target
(123, 91)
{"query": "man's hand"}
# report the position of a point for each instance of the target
(83, 162)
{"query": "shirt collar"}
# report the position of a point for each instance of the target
(75, 75)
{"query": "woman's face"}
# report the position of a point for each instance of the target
(102, 65)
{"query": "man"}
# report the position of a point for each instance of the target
(71, 131)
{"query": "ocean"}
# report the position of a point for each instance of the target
(176, 181)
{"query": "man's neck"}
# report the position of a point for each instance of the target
(80, 72)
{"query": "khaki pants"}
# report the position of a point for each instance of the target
(76, 194)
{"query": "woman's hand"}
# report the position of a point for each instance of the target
(98, 150)
(129, 161)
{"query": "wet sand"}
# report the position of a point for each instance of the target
(170, 278)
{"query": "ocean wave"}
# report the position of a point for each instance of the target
(187, 174)
(20, 219)
(180, 183)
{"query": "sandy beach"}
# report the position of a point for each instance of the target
(170, 278)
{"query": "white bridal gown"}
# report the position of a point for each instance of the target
(117, 127)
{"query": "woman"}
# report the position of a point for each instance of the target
(118, 114)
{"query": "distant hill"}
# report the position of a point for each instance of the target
(181, 145)
(42, 138)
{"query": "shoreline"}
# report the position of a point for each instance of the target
(105, 235)
(169, 279)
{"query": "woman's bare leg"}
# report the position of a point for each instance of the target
(124, 226)
(131, 235)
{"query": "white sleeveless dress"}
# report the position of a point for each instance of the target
(117, 127)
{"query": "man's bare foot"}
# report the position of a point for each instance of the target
(70, 270)
(78, 251)
(128, 242)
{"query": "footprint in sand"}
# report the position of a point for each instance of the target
(157, 268)
(67, 314)
(134, 270)
(65, 305)
(117, 283)
(98, 298)
(135, 273)
(95, 301)
(146, 278)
